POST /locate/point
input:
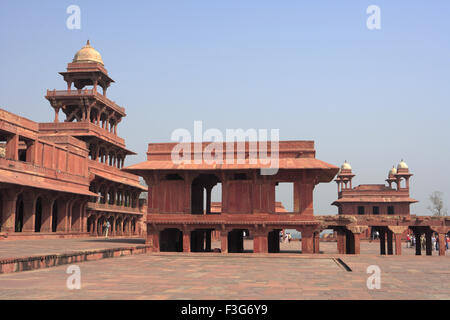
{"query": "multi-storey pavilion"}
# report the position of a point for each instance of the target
(179, 218)
(95, 155)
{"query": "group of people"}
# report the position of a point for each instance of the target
(286, 237)
(411, 241)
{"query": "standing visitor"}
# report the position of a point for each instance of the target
(108, 225)
(408, 241)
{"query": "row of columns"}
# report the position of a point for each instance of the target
(117, 196)
(107, 156)
(86, 113)
(428, 233)
(190, 239)
(120, 225)
(24, 210)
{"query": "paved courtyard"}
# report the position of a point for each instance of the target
(233, 276)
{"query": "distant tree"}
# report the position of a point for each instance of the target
(437, 204)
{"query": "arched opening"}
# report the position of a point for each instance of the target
(201, 191)
(19, 215)
(171, 240)
(55, 216)
(38, 216)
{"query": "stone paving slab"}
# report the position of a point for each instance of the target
(236, 276)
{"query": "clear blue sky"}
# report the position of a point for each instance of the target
(310, 68)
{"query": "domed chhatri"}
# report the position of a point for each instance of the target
(392, 172)
(402, 165)
(87, 54)
(346, 166)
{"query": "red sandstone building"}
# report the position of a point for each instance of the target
(65, 178)
(374, 199)
(176, 204)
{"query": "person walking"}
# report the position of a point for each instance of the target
(408, 241)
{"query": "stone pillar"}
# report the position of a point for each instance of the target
(208, 200)
(390, 249)
(398, 243)
(63, 215)
(224, 241)
(307, 241)
(29, 211)
(260, 242)
(31, 151)
(356, 232)
(47, 205)
(418, 244)
(153, 240)
(442, 241)
(357, 242)
(208, 241)
(303, 198)
(397, 232)
(186, 240)
(95, 230)
(9, 198)
(12, 147)
(382, 241)
(341, 244)
(428, 243)
(317, 242)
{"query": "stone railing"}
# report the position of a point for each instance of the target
(84, 93)
(81, 126)
(112, 207)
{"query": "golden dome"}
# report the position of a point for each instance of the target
(346, 166)
(402, 165)
(393, 171)
(88, 54)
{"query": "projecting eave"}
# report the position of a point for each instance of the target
(374, 199)
(329, 171)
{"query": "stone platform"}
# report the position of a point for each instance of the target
(25, 255)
